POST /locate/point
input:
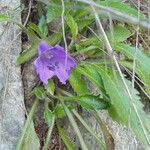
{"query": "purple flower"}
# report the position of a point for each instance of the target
(53, 61)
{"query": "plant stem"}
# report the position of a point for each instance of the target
(99, 141)
(74, 125)
(27, 124)
(49, 133)
(107, 136)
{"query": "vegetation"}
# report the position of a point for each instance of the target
(98, 35)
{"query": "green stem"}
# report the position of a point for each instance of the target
(107, 136)
(65, 138)
(99, 141)
(27, 124)
(74, 125)
(49, 133)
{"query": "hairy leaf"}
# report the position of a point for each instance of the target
(78, 84)
(144, 76)
(48, 115)
(26, 56)
(72, 25)
(89, 72)
(53, 11)
(142, 59)
(124, 8)
(118, 34)
(123, 109)
(91, 102)
(35, 28)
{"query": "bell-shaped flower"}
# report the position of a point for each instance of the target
(53, 61)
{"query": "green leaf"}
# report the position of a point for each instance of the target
(84, 23)
(118, 34)
(59, 111)
(48, 115)
(39, 93)
(78, 84)
(144, 76)
(26, 56)
(72, 25)
(81, 13)
(43, 27)
(35, 28)
(91, 102)
(142, 59)
(123, 109)
(89, 44)
(86, 50)
(31, 140)
(67, 141)
(54, 38)
(50, 87)
(52, 13)
(123, 8)
(54, 10)
(89, 72)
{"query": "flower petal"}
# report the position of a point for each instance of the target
(62, 74)
(58, 51)
(43, 71)
(60, 56)
(42, 47)
(53, 61)
(70, 63)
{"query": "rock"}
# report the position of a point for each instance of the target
(12, 110)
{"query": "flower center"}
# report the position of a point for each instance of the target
(48, 55)
(51, 67)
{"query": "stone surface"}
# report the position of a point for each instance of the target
(12, 111)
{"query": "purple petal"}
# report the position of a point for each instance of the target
(70, 63)
(43, 71)
(60, 56)
(62, 74)
(53, 61)
(42, 47)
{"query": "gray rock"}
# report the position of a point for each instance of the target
(12, 110)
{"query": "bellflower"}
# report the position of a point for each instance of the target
(53, 61)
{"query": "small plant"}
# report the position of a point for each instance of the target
(89, 54)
